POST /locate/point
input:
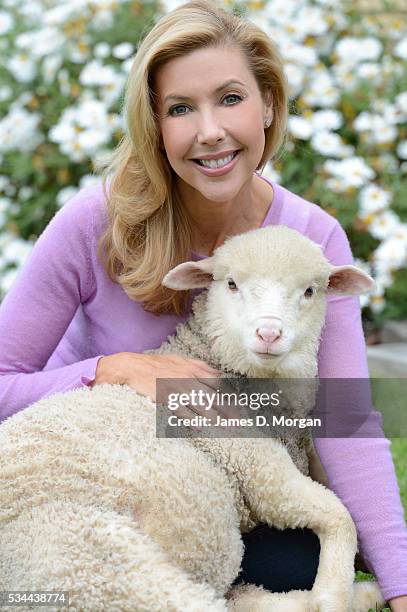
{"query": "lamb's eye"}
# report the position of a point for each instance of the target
(309, 292)
(232, 285)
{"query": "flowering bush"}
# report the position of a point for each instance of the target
(62, 75)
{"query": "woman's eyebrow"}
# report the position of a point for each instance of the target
(178, 97)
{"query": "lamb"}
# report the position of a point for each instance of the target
(93, 503)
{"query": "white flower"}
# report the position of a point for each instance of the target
(352, 50)
(353, 171)
(336, 185)
(312, 20)
(83, 129)
(321, 91)
(89, 180)
(95, 73)
(384, 225)
(111, 81)
(17, 251)
(33, 11)
(90, 140)
(25, 192)
(299, 54)
(50, 66)
(10, 190)
(391, 254)
(401, 49)
(102, 50)
(78, 54)
(23, 99)
(363, 265)
(388, 163)
(279, 11)
(377, 303)
(127, 64)
(22, 67)
(6, 22)
(102, 20)
(5, 93)
(4, 206)
(299, 127)
(123, 50)
(59, 15)
(370, 71)
(326, 120)
(295, 77)
(401, 233)
(330, 144)
(401, 101)
(384, 133)
(402, 149)
(393, 114)
(383, 276)
(7, 280)
(65, 194)
(373, 198)
(18, 130)
(345, 76)
(379, 130)
(270, 173)
(4, 182)
(41, 43)
(363, 121)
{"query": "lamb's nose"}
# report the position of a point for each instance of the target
(269, 334)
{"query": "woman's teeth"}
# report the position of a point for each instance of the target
(217, 163)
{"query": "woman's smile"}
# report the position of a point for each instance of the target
(218, 171)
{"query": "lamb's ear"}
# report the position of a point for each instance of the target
(349, 280)
(190, 275)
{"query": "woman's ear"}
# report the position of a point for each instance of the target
(268, 101)
(190, 275)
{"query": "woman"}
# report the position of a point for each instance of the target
(204, 85)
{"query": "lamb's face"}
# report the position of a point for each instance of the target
(266, 314)
(267, 293)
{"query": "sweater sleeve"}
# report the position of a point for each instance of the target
(361, 470)
(39, 307)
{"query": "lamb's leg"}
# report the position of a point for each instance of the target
(283, 497)
(101, 558)
(250, 598)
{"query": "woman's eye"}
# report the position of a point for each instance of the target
(232, 285)
(173, 108)
(309, 292)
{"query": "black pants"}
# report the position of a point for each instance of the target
(280, 560)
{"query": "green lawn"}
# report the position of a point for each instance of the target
(399, 452)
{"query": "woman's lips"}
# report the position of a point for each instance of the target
(219, 171)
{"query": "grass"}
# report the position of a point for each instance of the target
(399, 452)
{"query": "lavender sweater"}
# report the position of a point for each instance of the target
(63, 313)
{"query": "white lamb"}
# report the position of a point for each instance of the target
(93, 503)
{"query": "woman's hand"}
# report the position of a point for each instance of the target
(140, 371)
(398, 604)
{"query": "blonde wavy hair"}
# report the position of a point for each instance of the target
(148, 232)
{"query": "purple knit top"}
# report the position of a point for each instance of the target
(63, 313)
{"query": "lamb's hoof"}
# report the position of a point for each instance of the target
(250, 598)
(366, 596)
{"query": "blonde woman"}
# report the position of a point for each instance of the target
(205, 85)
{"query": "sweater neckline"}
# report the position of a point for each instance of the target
(272, 215)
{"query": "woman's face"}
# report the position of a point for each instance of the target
(209, 115)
